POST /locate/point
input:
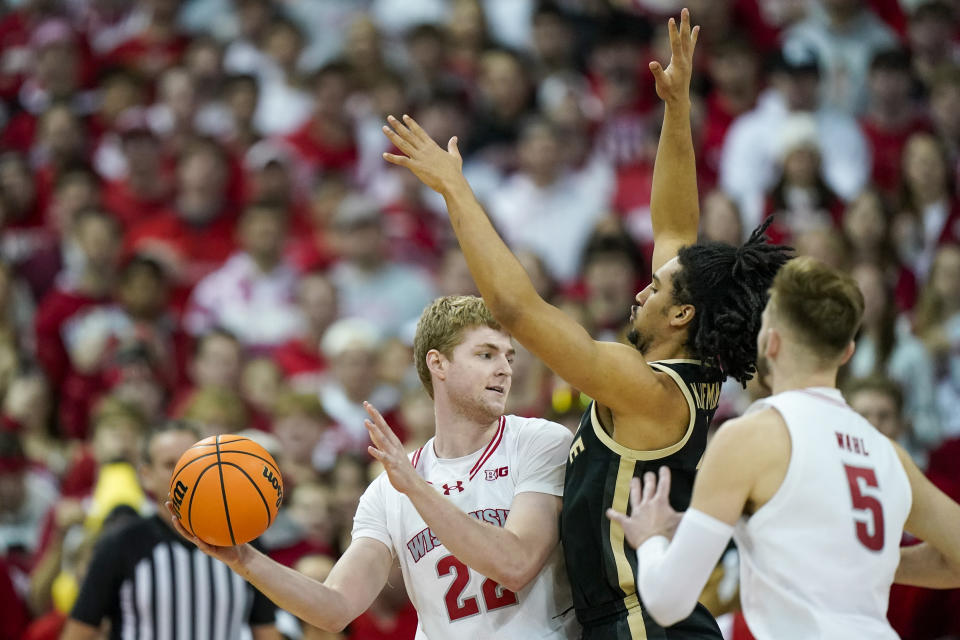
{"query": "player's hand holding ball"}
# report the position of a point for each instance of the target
(225, 491)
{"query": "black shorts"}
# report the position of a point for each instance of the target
(635, 624)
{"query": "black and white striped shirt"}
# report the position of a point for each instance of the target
(154, 585)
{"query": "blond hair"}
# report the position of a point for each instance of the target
(821, 305)
(442, 326)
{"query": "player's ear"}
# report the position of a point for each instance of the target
(437, 364)
(682, 315)
(773, 343)
(848, 353)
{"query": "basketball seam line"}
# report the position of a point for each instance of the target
(205, 455)
(193, 494)
(255, 486)
(223, 492)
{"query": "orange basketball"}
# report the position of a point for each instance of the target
(226, 490)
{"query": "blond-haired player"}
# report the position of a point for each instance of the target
(472, 516)
(814, 496)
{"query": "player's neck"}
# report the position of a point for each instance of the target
(793, 379)
(667, 351)
(458, 435)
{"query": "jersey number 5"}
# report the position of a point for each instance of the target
(494, 595)
(873, 541)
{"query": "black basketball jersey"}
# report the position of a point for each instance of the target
(600, 563)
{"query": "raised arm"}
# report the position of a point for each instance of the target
(511, 555)
(674, 202)
(349, 590)
(610, 373)
(935, 519)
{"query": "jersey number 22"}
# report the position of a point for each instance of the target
(494, 595)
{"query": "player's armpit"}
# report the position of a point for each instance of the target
(613, 374)
(75, 630)
(744, 465)
(935, 519)
(534, 519)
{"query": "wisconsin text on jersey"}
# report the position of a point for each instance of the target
(425, 542)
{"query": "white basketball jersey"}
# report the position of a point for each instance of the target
(452, 600)
(818, 559)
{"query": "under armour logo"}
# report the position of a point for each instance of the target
(458, 487)
(493, 474)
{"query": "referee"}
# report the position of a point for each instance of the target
(151, 584)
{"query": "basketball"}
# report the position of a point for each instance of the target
(226, 490)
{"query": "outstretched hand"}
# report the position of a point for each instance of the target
(438, 169)
(651, 513)
(673, 83)
(230, 556)
(389, 451)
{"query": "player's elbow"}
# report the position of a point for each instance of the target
(665, 605)
(333, 624)
(667, 615)
(521, 573)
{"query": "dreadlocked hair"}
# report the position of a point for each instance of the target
(728, 286)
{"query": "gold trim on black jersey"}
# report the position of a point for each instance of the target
(653, 454)
(621, 498)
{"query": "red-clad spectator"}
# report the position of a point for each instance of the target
(300, 358)
(57, 72)
(41, 253)
(415, 233)
(194, 238)
(252, 294)
(891, 116)
(929, 214)
(158, 46)
(326, 142)
(867, 230)
(801, 199)
(60, 347)
(734, 71)
(146, 189)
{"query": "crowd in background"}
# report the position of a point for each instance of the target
(196, 222)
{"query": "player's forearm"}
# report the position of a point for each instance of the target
(674, 203)
(924, 566)
(501, 279)
(489, 550)
(307, 599)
